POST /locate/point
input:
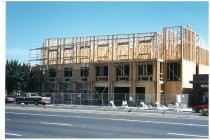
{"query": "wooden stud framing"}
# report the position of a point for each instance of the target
(175, 44)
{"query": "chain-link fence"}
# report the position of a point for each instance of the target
(103, 99)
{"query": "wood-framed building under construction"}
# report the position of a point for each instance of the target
(141, 63)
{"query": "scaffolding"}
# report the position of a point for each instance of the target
(140, 62)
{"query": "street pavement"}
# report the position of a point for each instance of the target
(100, 122)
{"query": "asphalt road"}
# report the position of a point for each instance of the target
(36, 122)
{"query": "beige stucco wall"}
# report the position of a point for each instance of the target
(203, 69)
(188, 69)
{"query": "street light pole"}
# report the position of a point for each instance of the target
(43, 75)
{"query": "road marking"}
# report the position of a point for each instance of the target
(13, 134)
(81, 117)
(188, 135)
(56, 124)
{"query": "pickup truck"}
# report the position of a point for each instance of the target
(33, 98)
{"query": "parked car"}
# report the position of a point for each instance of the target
(9, 99)
(32, 98)
(199, 108)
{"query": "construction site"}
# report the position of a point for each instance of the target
(150, 67)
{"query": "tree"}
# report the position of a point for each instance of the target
(18, 76)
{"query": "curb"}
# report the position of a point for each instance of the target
(111, 111)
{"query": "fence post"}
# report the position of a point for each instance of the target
(137, 99)
(113, 97)
(125, 96)
(62, 98)
(53, 97)
(102, 99)
(80, 99)
(91, 99)
(108, 99)
(71, 98)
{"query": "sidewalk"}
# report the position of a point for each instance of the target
(131, 111)
(128, 111)
(118, 108)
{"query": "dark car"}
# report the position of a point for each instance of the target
(9, 99)
(199, 108)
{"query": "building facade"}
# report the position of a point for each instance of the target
(143, 66)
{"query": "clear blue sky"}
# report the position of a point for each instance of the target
(29, 23)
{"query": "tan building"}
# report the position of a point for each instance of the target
(144, 66)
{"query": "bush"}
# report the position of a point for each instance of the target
(205, 112)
